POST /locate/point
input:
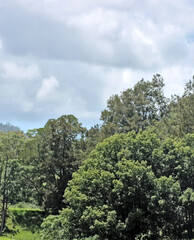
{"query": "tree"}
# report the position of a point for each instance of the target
(31, 176)
(116, 195)
(135, 108)
(187, 200)
(166, 209)
(184, 111)
(180, 115)
(8, 128)
(10, 146)
(59, 153)
(93, 136)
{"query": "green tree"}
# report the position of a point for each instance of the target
(183, 112)
(10, 146)
(187, 200)
(135, 108)
(116, 195)
(175, 157)
(166, 209)
(59, 153)
(180, 115)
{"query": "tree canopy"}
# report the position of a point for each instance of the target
(119, 193)
(135, 108)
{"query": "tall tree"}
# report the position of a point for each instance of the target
(59, 153)
(183, 111)
(135, 108)
(180, 118)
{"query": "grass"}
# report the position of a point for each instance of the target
(23, 223)
(23, 205)
(5, 238)
(23, 234)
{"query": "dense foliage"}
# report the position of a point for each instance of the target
(130, 178)
(131, 186)
(136, 108)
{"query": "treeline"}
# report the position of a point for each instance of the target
(8, 127)
(130, 178)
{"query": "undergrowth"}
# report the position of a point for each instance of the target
(23, 223)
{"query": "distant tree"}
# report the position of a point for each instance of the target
(93, 136)
(7, 127)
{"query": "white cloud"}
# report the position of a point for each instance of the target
(27, 107)
(48, 89)
(175, 79)
(14, 71)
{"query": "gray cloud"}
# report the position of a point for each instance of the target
(98, 36)
(68, 56)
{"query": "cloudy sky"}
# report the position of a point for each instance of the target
(69, 56)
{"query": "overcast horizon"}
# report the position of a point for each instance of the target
(69, 56)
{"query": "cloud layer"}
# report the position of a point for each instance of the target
(68, 56)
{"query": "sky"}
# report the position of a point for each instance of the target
(69, 56)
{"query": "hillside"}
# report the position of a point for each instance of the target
(8, 127)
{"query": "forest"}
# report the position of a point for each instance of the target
(129, 178)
